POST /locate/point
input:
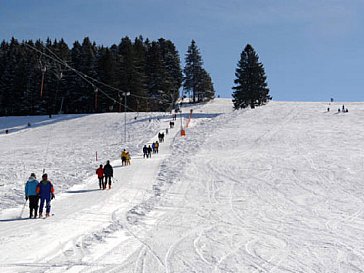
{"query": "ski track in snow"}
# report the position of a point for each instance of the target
(274, 189)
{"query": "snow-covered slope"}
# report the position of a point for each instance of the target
(274, 189)
(65, 147)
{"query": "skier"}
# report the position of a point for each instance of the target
(45, 191)
(145, 151)
(123, 158)
(166, 131)
(108, 172)
(31, 194)
(343, 108)
(100, 176)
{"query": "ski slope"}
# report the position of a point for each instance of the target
(273, 189)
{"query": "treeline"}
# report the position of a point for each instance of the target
(49, 77)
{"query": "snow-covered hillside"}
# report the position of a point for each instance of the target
(273, 189)
(65, 146)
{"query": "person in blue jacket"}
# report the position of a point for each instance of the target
(31, 194)
(46, 193)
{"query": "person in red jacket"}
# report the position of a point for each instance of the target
(100, 175)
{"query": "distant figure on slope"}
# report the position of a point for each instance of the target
(145, 151)
(31, 194)
(343, 108)
(149, 151)
(161, 137)
(100, 176)
(123, 158)
(156, 146)
(128, 158)
(108, 172)
(153, 148)
(46, 193)
(338, 110)
(328, 109)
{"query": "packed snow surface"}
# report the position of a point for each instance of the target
(278, 188)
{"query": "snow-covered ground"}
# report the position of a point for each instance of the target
(65, 146)
(273, 189)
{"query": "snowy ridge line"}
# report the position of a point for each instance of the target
(19, 124)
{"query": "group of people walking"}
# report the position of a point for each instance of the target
(147, 151)
(104, 174)
(125, 158)
(40, 193)
(35, 191)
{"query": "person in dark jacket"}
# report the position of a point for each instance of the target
(31, 194)
(100, 176)
(108, 172)
(149, 151)
(45, 191)
(145, 151)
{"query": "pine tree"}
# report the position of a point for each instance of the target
(7, 79)
(139, 80)
(173, 74)
(192, 70)
(106, 74)
(197, 82)
(251, 87)
(205, 88)
(61, 75)
(157, 77)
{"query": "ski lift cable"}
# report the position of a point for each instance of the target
(85, 77)
(74, 70)
(95, 80)
(78, 73)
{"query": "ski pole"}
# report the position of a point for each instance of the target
(22, 210)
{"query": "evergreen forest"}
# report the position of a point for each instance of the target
(50, 77)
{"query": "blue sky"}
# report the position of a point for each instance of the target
(312, 50)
